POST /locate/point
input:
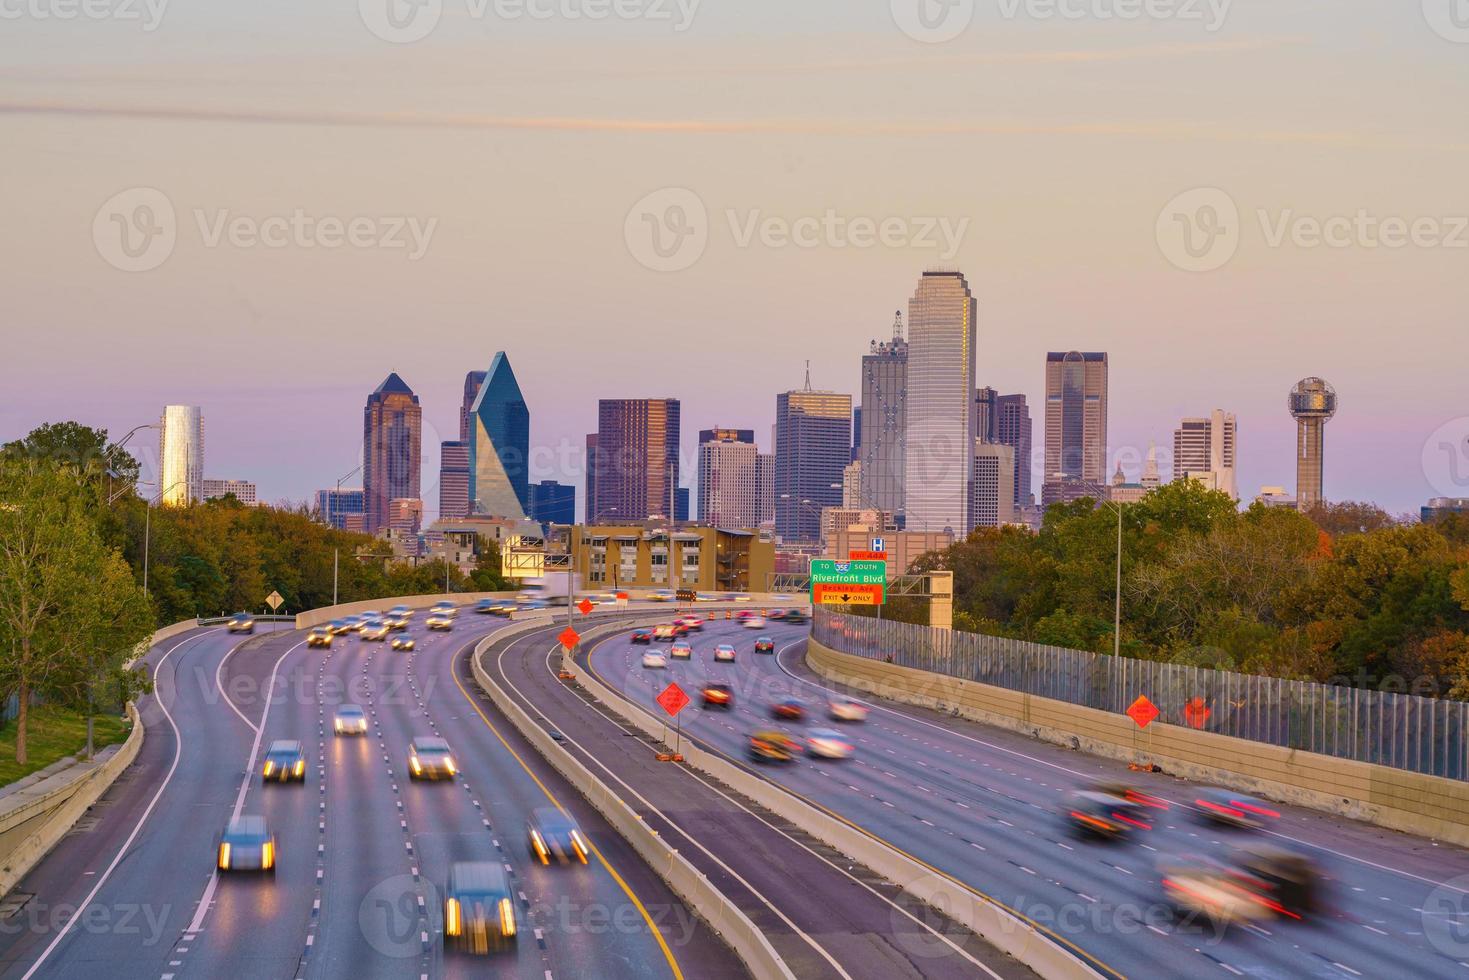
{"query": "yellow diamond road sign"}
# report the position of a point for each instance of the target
(274, 600)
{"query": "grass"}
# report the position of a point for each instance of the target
(52, 733)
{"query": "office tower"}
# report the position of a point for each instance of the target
(856, 434)
(180, 455)
(392, 450)
(589, 492)
(472, 382)
(765, 478)
(852, 485)
(1076, 425)
(499, 445)
(1204, 450)
(993, 502)
(241, 490)
(636, 458)
(1312, 403)
(940, 431)
(984, 414)
(453, 480)
(885, 421)
(1012, 428)
(813, 444)
(1150, 469)
(335, 507)
(729, 482)
(681, 504)
(552, 502)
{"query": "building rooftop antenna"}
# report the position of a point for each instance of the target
(808, 375)
(897, 326)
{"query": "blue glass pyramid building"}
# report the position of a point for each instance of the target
(499, 445)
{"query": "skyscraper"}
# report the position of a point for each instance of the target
(181, 455)
(1013, 429)
(885, 421)
(1076, 425)
(636, 458)
(453, 480)
(856, 433)
(552, 502)
(392, 450)
(1312, 403)
(241, 490)
(993, 484)
(813, 444)
(940, 424)
(1204, 450)
(765, 478)
(589, 492)
(334, 507)
(729, 485)
(984, 413)
(499, 445)
(472, 382)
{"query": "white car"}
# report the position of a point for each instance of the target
(681, 651)
(754, 622)
(654, 658)
(825, 743)
(724, 654)
(845, 709)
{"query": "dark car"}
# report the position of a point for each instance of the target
(796, 618)
(553, 834)
(764, 645)
(429, 758)
(285, 762)
(1231, 809)
(1287, 882)
(718, 696)
(479, 910)
(642, 636)
(773, 747)
(1092, 813)
(240, 622)
(247, 845)
(788, 709)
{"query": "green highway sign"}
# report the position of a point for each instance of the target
(829, 576)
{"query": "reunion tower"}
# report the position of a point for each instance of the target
(1312, 403)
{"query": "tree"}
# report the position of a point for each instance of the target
(77, 447)
(1350, 517)
(488, 576)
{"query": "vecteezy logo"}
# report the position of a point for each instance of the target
(400, 21)
(1446, 458)
(666, 231)
(389, 917)
(932, 21)
(1448, 18)
(135, 230)
(1445, 918)
(1199, 230)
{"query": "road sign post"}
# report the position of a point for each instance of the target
(860, 582)
(673, 700)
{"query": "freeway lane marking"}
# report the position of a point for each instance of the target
(178, 745)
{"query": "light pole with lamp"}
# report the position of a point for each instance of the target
(111, 497)
(333, 506)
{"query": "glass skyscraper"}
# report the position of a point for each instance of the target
(884, 422)
(1076, 425)
(392, 450)
(635, 463)
(813, 445)
(499, 445)
(940, 425)
(181, 455)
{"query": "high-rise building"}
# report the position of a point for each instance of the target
(852, 485)
(993, 502)
(181, 455)
(765, 479)
(241, 490)
(636, 459)
(1013, 429)
(1076, 425)
(729, 483)
(392, 450)
(453, 480)
(857, 433)
(499, 445)
(985, 424)
(1204, 450)
(1312, 403)
(813, 444)
(589, 491)
(338, 508)
(405, 515)
(885, 421)
(940, 425)
(472, 382)
(681, 504)
(552, 502)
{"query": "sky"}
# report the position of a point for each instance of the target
(263, 211)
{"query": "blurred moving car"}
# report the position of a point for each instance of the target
(349, 719)
(754, 622)
(553, 834)
(247, 845)
(690, 623)
(285, 761)
(444, 608)
(1231, 809)
(642, 636)
(240, 622)
(665, 631)
(718, 696)
(403, 643)
(376, 630)
(1290, 883)
(788, 709)
(724, 653)
(429, 758)
(438, 621)
(764, 644)
(319, 636)
(654, 659)
(662, 595)
(401, 612)
(744, 614)
(776, 614)
(796, 618)
(396, 623)
(1093, 813)
(828, 743)
(479, 912)
(681, 651)
(486, 606)
(344, 625)
(845, 709)
(773, 747)
(1198, 885)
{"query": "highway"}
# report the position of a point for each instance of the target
(359, 843)
(984, 807)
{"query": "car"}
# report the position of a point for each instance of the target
(1196, 885)
(642, 636)
(444, 605)
(764, 644)
(739, 597)
(507, 609)
(339, 626)
(320, 636)
(665, 631)
(553, 834)
(439, 622)
(396, 623)
(724, 654)
(403, 643)
(401, 612)
(429, 758)
(349, 719)
(1230, 809)
(486, 606)
(681, 651)
(744, 614)
(1289, 882)
(661, 595)
(772, 747)
(479, 907)
(370, 615)
(691, 623)
(247, 845)
(350, 624)
(654, 659)
(754, 622)
(828, 743)
(719, 696)
(376, 630)
(788, 709)
(1099, 814)
(240, 623)
(285, 762)
(796, 617)
(845, 709)
(776, 614)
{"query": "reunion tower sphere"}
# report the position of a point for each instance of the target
(1312, 402)
(1312, 398)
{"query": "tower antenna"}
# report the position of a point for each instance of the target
(808, 375)
(898, 326)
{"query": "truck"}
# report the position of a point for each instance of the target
(554, 588)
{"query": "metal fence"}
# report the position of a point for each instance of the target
(1403, 731)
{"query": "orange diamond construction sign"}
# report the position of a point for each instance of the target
(1142, 711)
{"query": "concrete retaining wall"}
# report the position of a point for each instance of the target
(1429, 806)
